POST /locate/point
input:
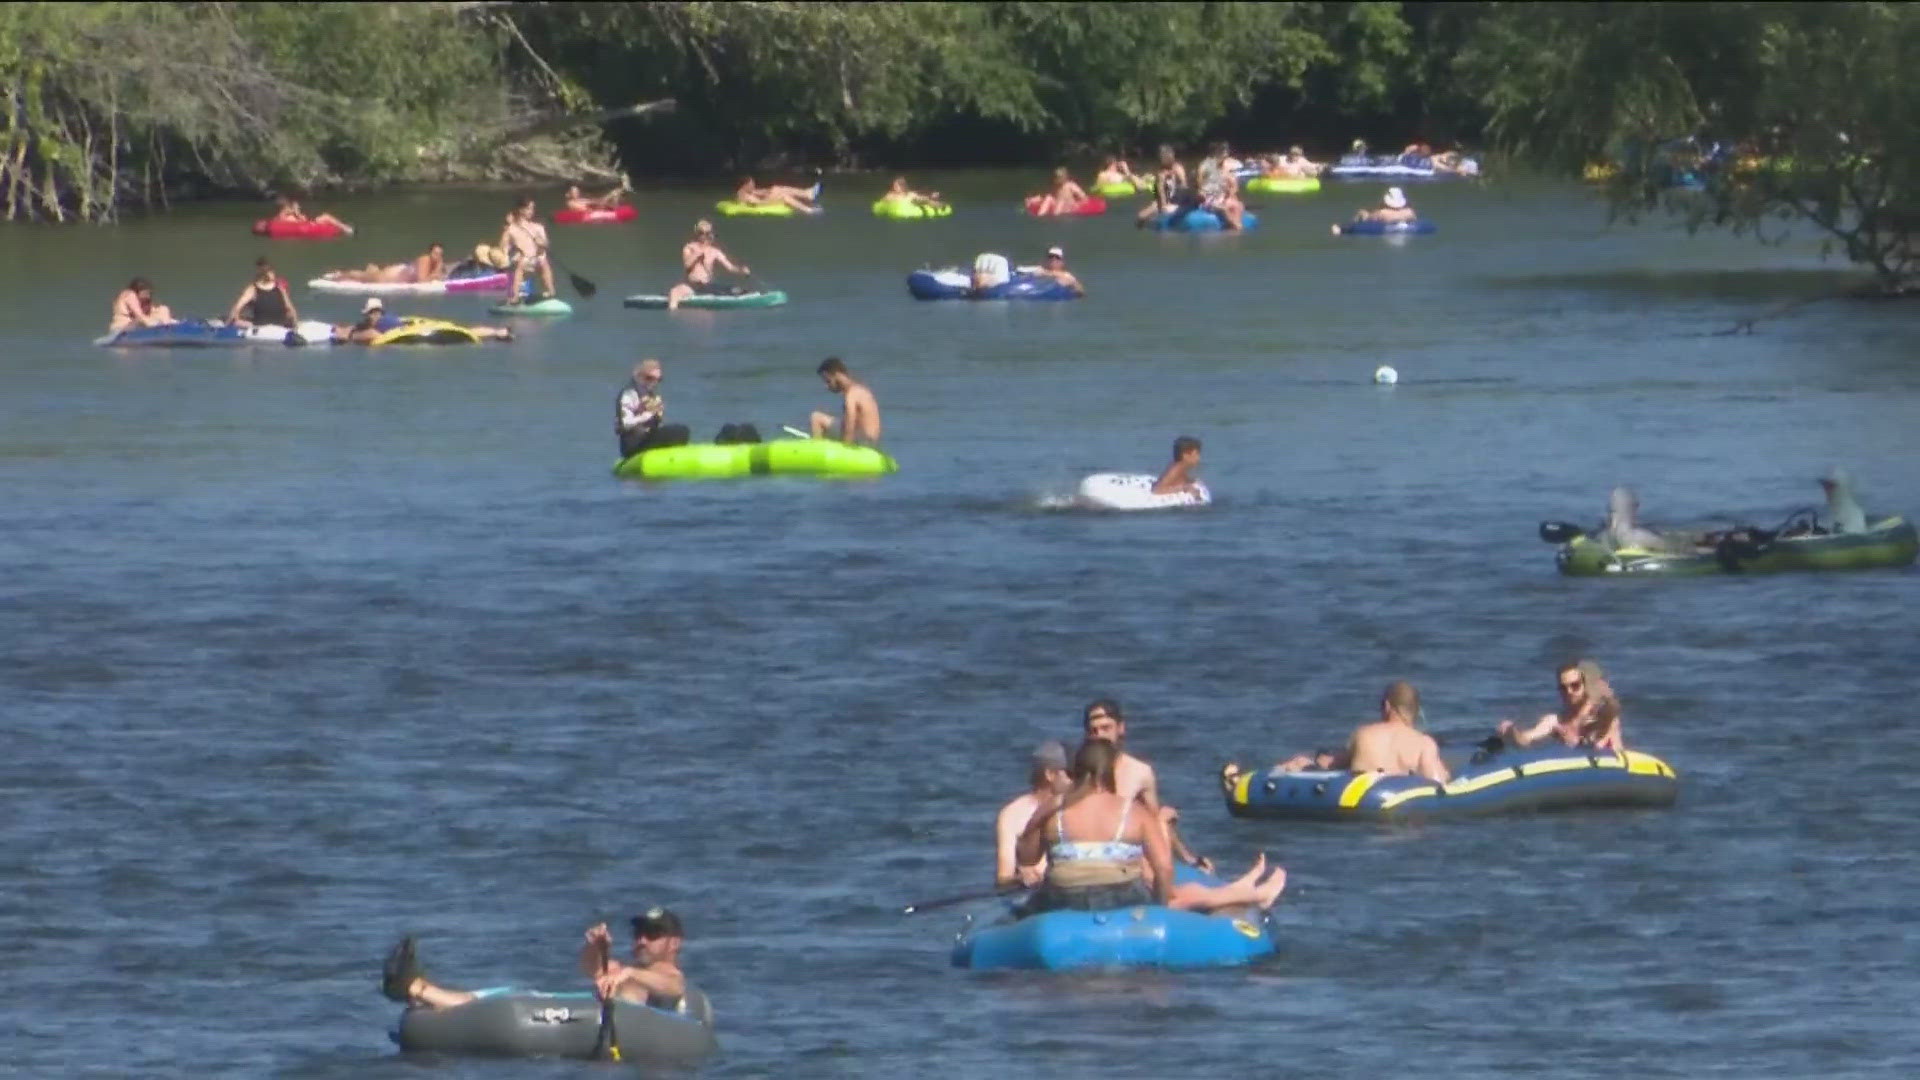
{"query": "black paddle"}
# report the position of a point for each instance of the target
(949, 901)
(608, 1041)
(581, 285)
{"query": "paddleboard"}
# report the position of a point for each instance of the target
(552, 305)
(653, 301)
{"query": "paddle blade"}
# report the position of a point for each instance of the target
(581, 285)
(1559, 532)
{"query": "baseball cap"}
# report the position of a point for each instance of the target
(373, 304)
(1056, 253)
(657, 922)
(1051, 754)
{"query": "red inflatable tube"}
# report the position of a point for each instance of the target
(595, 217)
(1093, 206)
(295, 230)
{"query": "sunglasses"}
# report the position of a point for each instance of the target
(1574, 685)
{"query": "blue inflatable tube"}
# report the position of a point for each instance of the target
(1417, 227)
(1200, 221)
(1397, 168)
(1507, 781)
(953, 284)
(1143, 936)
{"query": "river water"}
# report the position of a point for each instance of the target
(304, 650)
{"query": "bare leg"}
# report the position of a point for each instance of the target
(819, 424)
(1242, 892)
(329, 219)
(425, 993)
(515, 279)
(546, 276)
(678, 293)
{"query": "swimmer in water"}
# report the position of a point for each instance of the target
(1178, 476)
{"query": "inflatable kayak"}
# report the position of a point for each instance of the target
(509, 1022)
(901, 210)
(781, 457)
(735, 208)
(1145, 935)
(1093, 207)
(552, 305)
(1505, 781)
(658, 301)
(1419, 227)
(1890, 542)
(1134, 491)
(1282, 185)
(1398, 168)
(491, 281)
(1198, 220)
(296, 230)
(598, 216)
(956, 284)
(200, 334)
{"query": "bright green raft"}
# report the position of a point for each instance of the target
(1890, 542)
(773, 298)
(781, 457)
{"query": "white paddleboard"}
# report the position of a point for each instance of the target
(1134, 491)
(311, 333)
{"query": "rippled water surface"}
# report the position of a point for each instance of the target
(303, 650)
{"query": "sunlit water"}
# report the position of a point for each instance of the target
(304, 650)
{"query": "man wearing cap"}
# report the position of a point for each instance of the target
(1047, 776)
(638, 415)
(1393, 208)
(1134, 778)
(1056, 268)
(654, 979)
(698, 258)
(373, 322)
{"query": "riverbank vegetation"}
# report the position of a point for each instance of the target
(111, 105)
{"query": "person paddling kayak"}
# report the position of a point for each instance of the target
(699, 257)
(135, 307)
(264, 302)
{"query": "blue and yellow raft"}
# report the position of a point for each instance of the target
(1141, 936)
(1504, 781)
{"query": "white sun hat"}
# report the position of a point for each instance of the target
(1395, 199)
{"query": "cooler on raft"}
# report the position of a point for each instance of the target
(1140, 936)
(510, 1022)
(1504, 781)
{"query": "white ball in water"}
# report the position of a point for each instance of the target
(1385, 375)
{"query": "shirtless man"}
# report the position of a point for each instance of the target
(135, 307)
(655, 979)
(1049, 777)
(1179, 475)
(1064, 197)
(431, 266)
(860, 419)
(1055, 267)
(1393, 209)
(525, 242)
(580, 202)
(1170, 190)
(801, 199)
(698, 259)
(289, 210)
(1114, 171)
(1294, 165)
(1589, 713)
(1102, 719)
(899, 192)
(1391, 745)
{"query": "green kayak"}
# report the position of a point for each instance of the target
(655, 301)
(781, 457)
(1889, 542)
(552, 305)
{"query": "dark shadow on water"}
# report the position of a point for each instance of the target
(1757, 285)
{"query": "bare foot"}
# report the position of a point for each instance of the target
(1259, 867)
(1269, 890)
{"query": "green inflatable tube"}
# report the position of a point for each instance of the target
(552, 305)
(735, 208)
(1283, 185)
(902, 210)
(1889, 543)
(1123, 190)
(781, 457)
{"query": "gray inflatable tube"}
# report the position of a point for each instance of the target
(511, 1022)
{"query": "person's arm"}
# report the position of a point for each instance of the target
(633, 410)
(1172, 480)
(1074, 283)
(1159, 857)
(293, 313)
(1031, 847)
(720, 259)
(246, 297)
(850, 418)
(1430, 765)
(598, 942)
(622, 979)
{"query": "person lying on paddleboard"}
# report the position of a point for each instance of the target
(1393, 209)
(582, 203)
(860, 413)
(135, 307)
(1392, 745)
(1589, 713)
(374, 321)
(1102, 719)
(1055, 267)
(430, 266)
(654, 979)
(1094, 853)
(265, 301)
(1178, 476)
(1170, 190)
(525, 242)
(898, 191)
(1063, 197)
(801, 199)
(288, 210)
(640, 412)
(699, 257)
